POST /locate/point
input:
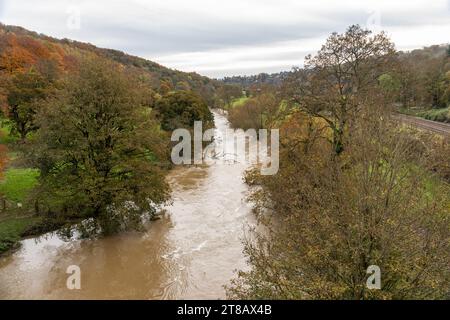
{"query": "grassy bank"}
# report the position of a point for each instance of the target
(238, 102)
(5, 137)
(441, 115)
(14, 189)
(15, 185)
(12, 229)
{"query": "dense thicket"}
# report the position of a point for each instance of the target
(422, 78)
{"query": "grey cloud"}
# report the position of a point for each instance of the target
(178, 38)
(163, 30)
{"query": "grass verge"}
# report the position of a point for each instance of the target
(441, 115)
(12, 229)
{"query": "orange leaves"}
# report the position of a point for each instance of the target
(165, 87)
(15, 58)
(35, 47)
(19, 52)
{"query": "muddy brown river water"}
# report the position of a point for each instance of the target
(191, 253)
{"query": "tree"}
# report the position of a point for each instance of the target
(100, 152)
(26, 95)
(249, 115)
(324, 221)
(228, 93)
(165, 86)
(256, 113)
(13, 57)
(337, 80)
(445, 83)
(48, 69)
(410, 88)
(422, 74)
(180, 109)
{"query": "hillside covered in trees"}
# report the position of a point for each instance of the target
(83, 134)
(262, 78)
(420, 82)
(21, 49)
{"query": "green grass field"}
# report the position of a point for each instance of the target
(238, 102)
(18, 182)
(14, 187)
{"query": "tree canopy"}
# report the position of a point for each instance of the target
(27, 93)
(340, 77)
(99, 151)
(179, 109)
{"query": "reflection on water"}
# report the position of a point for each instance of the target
(188, 254)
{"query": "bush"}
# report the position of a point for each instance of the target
(441, 115)
(248, 115)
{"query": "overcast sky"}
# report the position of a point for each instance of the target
(228, 37)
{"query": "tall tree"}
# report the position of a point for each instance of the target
(100, 151)
(337, 80)
(325, 222)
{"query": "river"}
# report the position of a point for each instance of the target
(190, 253)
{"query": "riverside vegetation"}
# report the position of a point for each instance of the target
(355, 188)
(85, 142)
(82, 141)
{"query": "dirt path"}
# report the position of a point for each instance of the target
(434, 126)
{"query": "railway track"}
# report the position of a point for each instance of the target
(434, 126)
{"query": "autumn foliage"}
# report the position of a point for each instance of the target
(17, 54)
(22, 50)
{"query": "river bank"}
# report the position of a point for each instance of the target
(191, 252)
